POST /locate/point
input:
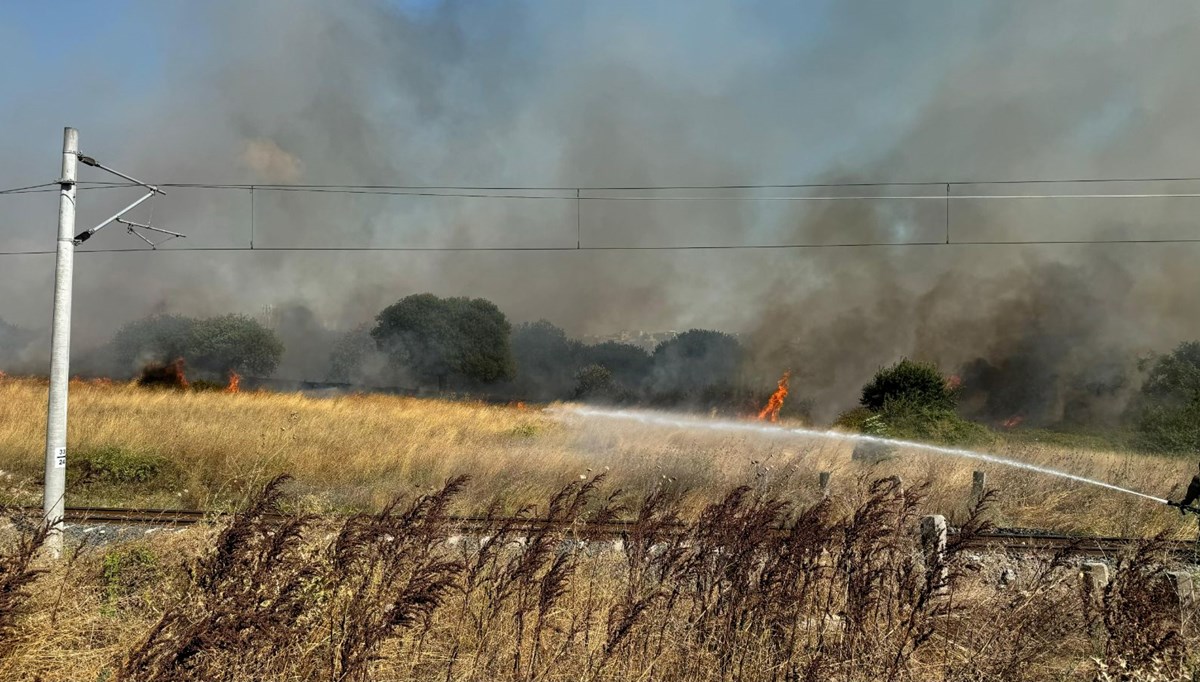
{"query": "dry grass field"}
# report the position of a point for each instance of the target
(158, 448)
(843, 593)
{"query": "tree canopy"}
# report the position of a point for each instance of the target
(1175, 377)
(1167, 410)
(446, 339)
(917, 383)
(215, 345)
(154, 339)
(546, 360)
(696, 361)
(233, 343)
(629, 364)
(592, 382)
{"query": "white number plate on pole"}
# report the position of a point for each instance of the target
(60, 458)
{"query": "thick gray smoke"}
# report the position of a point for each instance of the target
(630, 93)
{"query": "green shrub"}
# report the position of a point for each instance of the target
(524, 431)
(1166, 414)
(1174, 377)
(116, 465)
(593, 381)
(853, 420)
(913, 420)
(912, 382)
(126, 571)
(1168, 429)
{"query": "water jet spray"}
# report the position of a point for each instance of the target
(725, 425)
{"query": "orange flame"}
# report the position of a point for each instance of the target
(1012, 421)
(775, 404)
(177, 367)
(170, 375)
(235, 380)
(94, 381)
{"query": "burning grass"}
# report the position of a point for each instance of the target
(748, 587)
(210, 449)
(770, 411)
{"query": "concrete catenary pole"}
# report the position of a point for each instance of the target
(53, 496)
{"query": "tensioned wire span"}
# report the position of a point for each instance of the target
(577, 195)
(592, 188)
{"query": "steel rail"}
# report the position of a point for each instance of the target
(1011, 540)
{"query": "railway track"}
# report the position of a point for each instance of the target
(1006, 539)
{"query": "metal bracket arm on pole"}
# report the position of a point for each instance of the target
(142, 237)
(144, 226)
(84, 236)
(89, 161)
(129, 225)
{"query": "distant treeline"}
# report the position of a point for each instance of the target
(424, 343)
(428, 343)
(467, 345)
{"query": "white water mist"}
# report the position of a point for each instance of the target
(725, 425)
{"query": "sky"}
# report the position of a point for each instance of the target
(572, 93)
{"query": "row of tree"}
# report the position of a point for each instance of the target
(466, 344)
(457, 344)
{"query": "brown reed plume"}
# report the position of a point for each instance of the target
(238, 614)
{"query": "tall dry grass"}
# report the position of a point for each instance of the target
(359, 452)
(750, 587)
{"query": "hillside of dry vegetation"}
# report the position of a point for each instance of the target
(132, 446)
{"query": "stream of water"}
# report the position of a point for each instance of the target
(726, 425)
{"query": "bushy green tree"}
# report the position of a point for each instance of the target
(629, 364)
(446, 339)
(154, 339)
(212, 346)
(1174, 378)
(913, 419)
(912, 401)
(1166, 413)
(1171, 430)
(219, 345)
(594, 381)
(916, 383)
(697, 363)
(546, 359)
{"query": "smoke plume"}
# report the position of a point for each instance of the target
(709, 92)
